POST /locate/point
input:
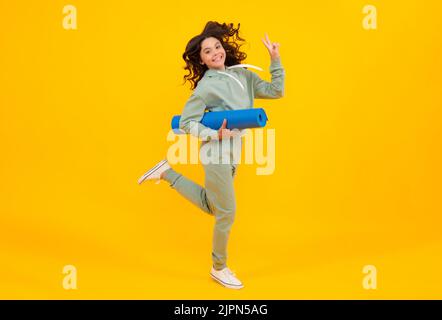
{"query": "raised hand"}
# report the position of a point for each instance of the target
(272, 47)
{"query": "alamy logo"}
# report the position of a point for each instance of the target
(259, 148)
(70, 278)
(369, 281)
(370, 20)
(70, 18)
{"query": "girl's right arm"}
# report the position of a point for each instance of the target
(191, 116)
(190, 121)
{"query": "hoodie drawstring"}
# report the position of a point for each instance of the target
(245, 66)
(239, 66)
(239, 82)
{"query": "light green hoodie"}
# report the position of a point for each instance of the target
(232, 89)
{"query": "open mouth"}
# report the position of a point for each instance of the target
(217, 59)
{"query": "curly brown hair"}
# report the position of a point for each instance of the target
(229, 37)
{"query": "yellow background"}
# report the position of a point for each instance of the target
(358, 153)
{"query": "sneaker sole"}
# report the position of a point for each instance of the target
(151, 171)
(230, 286)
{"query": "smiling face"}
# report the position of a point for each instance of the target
(212, 53)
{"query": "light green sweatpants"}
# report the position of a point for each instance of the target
(216, 198)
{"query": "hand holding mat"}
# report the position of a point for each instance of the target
(236, 119)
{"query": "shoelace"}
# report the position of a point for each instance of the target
(231, 272)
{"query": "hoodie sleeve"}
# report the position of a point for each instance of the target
(191, 116)
(269, 90)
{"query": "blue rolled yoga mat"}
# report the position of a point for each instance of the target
(236, 119)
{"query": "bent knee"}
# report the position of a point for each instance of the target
(226, 209)
(225, 215)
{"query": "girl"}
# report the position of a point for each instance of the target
(219, 82)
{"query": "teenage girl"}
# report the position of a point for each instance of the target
(219, 82)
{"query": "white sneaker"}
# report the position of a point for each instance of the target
(226, 277)
(155, 172)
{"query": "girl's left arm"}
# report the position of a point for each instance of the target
(269, 90)
(274, 89)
